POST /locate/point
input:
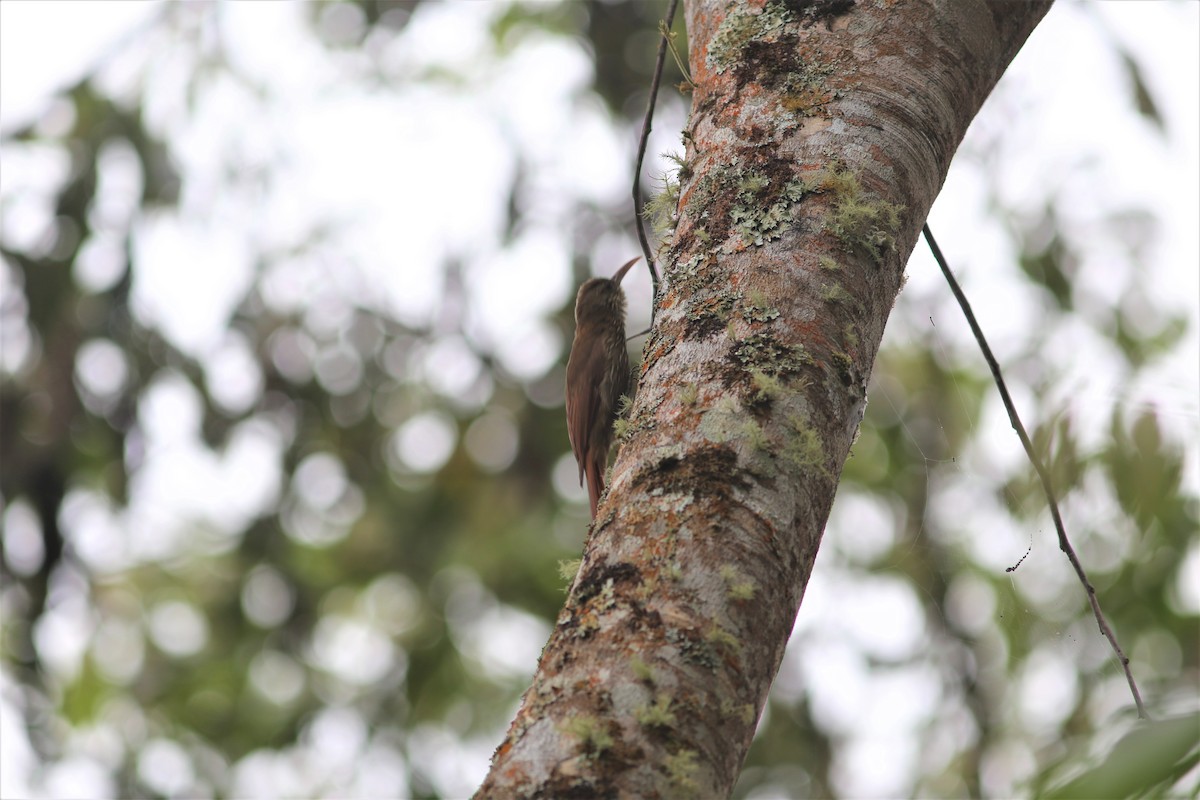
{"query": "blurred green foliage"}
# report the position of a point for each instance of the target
(432, 568)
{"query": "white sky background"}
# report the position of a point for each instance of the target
(1058, 105)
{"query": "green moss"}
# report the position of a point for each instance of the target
(641, 670)
(766, 387)
(752, 433)
(828, 264)
(683, 168)
(803, 448)
(835, 293)
(689, 393)
(661, 207)
(590, 732)
(716, 635)
(850, 335)
(681, 768)
(740, 587)
(856, 219)
(743, 711)
(658, 714)
(625, 426)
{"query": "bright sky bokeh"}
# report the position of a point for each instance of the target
(400, 188)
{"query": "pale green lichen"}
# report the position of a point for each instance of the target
(757, 308)
(764, 352)
(658, 714)
(590, 732)
(689, 393)
(757, 222)
(742, 25)
(761, 205)
(568, 569)
(804, 89)
(727, 422)
(828, 264)
(625, 425)
(606, 599)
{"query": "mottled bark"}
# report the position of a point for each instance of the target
(821, 131)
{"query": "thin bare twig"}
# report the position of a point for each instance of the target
(688, 84)
(638, 204)
(1063, 542)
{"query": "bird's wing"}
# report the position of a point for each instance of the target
(587, 358)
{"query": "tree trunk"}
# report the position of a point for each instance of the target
(821, 131)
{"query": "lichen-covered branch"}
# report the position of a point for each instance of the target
(821, 131)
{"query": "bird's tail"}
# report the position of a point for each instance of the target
(595, 482)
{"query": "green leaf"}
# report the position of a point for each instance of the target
(1146, 762)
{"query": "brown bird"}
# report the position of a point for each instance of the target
(597, 376)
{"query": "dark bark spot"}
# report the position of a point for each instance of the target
(703, 326)
(642, 618)
(593, 582)
(693, 648)
(795, 68)
(708, 317)
(810, 12)
(767, 62)
(710, 471)
(761, 353)
(845, 368)
(571, 788)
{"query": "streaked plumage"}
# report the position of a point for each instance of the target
(597, 376)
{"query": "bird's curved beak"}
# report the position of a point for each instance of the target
(616, 278)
